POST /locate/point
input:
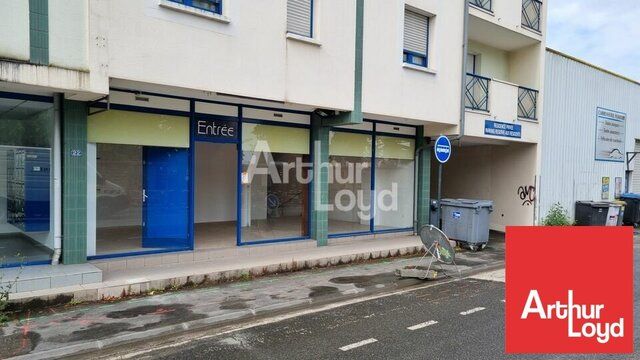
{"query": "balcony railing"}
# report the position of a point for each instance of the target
(532, 14)
(477, 92)
(483, 4)
(527, 103)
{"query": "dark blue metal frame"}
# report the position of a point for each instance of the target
(26, 97)
(189, 3)
(311, 19)
(26, 263)
(149, 110)
(374, 133)
(409, 57)
(239, 241)
(29, 97)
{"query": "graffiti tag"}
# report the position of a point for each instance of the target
(527, 194)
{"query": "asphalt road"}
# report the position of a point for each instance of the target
(456, 320)
(379, 326)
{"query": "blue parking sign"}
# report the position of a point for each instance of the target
(442, 149)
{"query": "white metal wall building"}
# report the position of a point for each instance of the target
(574, 91)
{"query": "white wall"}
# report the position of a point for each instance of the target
(68, 32)
(249, 55)
(14, 30)
(573, 92)
(395, 90)
(491, 172)
(402, 176)
(525, 66)
(215, 182)
(494, 63)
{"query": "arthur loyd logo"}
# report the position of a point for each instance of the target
(575, 295)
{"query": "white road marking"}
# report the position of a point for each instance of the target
(358, 344)
(504, 301)
(497, 275)
(422, 325)
(474, 310)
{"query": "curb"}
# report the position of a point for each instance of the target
(120, 290)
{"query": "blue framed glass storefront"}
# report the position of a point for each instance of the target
(206, 128)
(375, 136)
(26, 178)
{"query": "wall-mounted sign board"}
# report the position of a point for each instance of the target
(216, 129)
(610, 135)
(496, 128)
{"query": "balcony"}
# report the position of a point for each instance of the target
(482, 4)
(477, 92)
(532, 14)
(501, 99)
(506, 24)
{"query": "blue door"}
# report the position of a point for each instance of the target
(165, 198)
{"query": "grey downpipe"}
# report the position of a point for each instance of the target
(463, 82)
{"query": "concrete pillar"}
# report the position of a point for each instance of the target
(320, 192)
(74, 182)
(423, 195)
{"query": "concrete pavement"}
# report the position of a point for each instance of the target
(59, 332)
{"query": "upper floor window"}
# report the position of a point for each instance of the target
(473, 64)
(300, 17)
(215, 6)
(416, 38)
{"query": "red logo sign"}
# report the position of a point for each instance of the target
(569, 290)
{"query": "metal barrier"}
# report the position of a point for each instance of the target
(527, 103)
(477, 92)
(532, 14)
(483, 4)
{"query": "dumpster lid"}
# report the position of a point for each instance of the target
(630, 196)
(597, 204)
(467, 203)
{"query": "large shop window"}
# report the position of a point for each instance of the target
(141, 189)
(275, 182)
(349, 182)
(394, 182)
(26, 195)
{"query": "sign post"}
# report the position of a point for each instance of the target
(442, 151)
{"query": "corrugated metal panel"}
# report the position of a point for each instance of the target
(299, 17)
(416, 32)
(572, 93)
(635, 175)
